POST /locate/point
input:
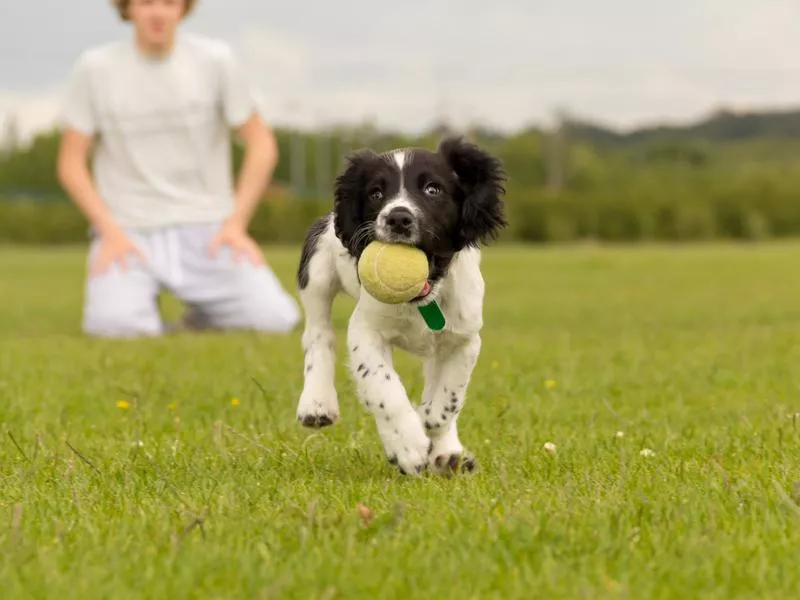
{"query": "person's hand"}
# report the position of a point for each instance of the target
(114, 247)
(234, 235)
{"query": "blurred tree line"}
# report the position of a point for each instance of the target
(734, 176)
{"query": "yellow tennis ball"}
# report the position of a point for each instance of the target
(393, 273)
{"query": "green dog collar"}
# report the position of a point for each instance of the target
(432, 315)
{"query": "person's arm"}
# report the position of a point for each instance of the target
(260, 158)
(79, 126)
(241, 113)
(258, 165)
(75, 178)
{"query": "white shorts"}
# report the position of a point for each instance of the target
(221, 292)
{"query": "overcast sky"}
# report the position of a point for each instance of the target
(503, 62)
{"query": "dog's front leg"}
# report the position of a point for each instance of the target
(319, 404)
(383, 394)
(447, 378)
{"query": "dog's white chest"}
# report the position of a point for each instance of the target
(404, 327)
(414, 337)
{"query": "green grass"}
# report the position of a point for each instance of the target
(693, 353)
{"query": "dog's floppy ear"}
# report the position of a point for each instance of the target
(481, 184)
(348, 203)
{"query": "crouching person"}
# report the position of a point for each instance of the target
(156, 112)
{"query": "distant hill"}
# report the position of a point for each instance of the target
(721, 126)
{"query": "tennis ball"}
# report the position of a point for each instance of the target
(393, 273)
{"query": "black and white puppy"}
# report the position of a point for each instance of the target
(445, 203)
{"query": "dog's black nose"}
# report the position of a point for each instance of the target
(399, 219)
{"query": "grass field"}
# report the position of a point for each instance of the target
(667, 379)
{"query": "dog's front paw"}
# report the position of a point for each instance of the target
(318, 409)
(406, 445)
(448, 457)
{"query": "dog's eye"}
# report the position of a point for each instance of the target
(432, 189)
(376, 195)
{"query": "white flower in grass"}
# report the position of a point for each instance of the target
(620, 434)
(550, 447)
(647, 453)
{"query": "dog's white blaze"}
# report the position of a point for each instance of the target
(400, 160)
(401, 200)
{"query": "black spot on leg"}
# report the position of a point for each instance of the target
(430, 447)
(365, 374)
(388, 377)
(393, 461)
(444, 416)
(355, 348)
(309, 368)
(380, 366)
(428, 426)
(381, 405)
(360, 368)
(427, 411)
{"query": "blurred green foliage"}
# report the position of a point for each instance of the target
(730, 176)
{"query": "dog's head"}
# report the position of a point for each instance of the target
(440, 202)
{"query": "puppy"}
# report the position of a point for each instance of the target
(446, 203)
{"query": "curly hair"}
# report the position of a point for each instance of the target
(122, 7)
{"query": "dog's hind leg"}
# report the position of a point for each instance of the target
(318, 285)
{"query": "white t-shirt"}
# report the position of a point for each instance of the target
(162, 127)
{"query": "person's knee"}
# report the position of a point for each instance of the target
(279, 314)
(254, 300)
(116, 321)
(266, 307)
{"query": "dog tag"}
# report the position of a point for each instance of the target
(433, 316)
